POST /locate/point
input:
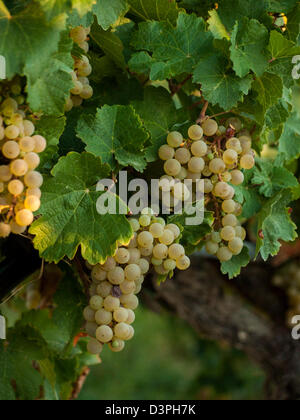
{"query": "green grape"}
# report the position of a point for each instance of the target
(217, 166)
(127, 287)
(210, 127)
(121, 315)
(195, 132)
(104, 334)
(199, 148)
(172, 167)
(224, 254)
(122, 330)
(145, 220)
(183, 155)
(94, 347)
(228, 233)
(183, 263)
(247, 162)
(236, 245)
(96, 302)
(166, 152)
(174, 139)
(116, 276)
(196, 165)
(229, 206)
(167, 237)
(230, 220)
(111, 303)
(103, 317)
(211, 247)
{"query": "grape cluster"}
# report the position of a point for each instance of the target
(218, 155)
(116, 283)
(82, 69)
(289, 279)
(19, 181)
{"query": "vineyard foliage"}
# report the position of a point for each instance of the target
(155, 65)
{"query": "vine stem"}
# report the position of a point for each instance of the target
(202, 115)
(219, 114)
(176, 88)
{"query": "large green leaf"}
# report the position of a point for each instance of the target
(282, 51)
(174, 50)
(289, 142)
(50, 81)
(159, 115)
(26, 36)
(274, 225)
(108, 11)
(154, 9)
(116, 134)
(220, 85)
(69, 216)
(269, 90)
(248, 50)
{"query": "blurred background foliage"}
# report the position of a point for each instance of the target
(168, 361)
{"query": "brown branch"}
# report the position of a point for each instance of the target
(77, 386)
(201, 297)
(202, 115)
(176, 88)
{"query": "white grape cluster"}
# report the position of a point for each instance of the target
(20, 182)
(218, 155)
(289, 279)
(82, 69)
(115, 284)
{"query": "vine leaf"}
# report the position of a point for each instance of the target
(233, 267)
(289, 142)
(50, 81)
(109, 11)
(174, 50)
(269, 89)
(154, 9)
(40, 39)
(117, 135)
(220, 86)
(159, 115)
(69, 218)
(272, 178)
(249, 41)
(275, 224)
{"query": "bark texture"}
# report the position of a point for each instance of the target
(248, 313)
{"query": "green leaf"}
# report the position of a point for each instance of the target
(282, 51)
(75, 20)
(69, 216)
(83, 6)
(272, 179)
(216, 26)
(248, 196)
(275, 224)
(233, 267)
(269, 89)
(289, 142)
(231, 11)
(248, 50)
(40, 40)
(277, 115)
(220, 85)
(159, 115)
(50, 82)
(293, 24)
(110, 43)
(116, 134)
(281, 6)
(174, 50)
(109, 11)
(154, 9)
(23, 346)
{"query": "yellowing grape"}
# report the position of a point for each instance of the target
(104, 334)
(19, 168)
(122, 330)
(86, 92)
(247, 162)
(32, 159)
(12, 132)
(103, 317)
(210, 127)
(224, 254)
(32, 203)
(129, 301)
(11, 150)
(196, 165)
(172, 167)
(166, 152)
(228, 233)
(33, 179)
(175, 229)
(40, 143)
(199, 148)
(121, 315)
(211, 247)
(183, 155)
(236, 245)
(111, 303)
(176, 251)
(183, 263)
(27, 144)
(5, 230)
(229, 220)
(28, 128)
(167, 237)
(229, 206)
(230, 157)
(217, 166)
(24, 217)
(16, 229)
(15, 187)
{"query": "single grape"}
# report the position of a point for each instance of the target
(183, 155)
(240, 232)
(210, 127)
(145, 239)
(78, 34)
(224, 254)
(111, 303)
(104, 334)
(156, 230)
(103, 317)
(127, 287)
(199, 148)
(29, 128)
(15, 187)
(129, 301)
(122, 256)
(166, 152)
(174, 139)
(11, 150)
(167, 237)
(247, 162)
(135, 225)
(98, 274)
(172, 167)
(94, 347)
(5, 230)
(175, 229)
(27, 144)
(40, 143)
(230, 220)
(145, 220)
(160, 251)
(89, 314)
(228, 233)
(132, 272)
(236, 245)
(134, 256)
(116, 345)
(33, 179)
(183, 263)
(195, 132)
(169, 265)
(196, 165)
(144, 265)
(222, 189)
(86, 92)
(116, 276)
(176, 251)
(211, 247)
(236, 123)
(104, 289)
(230, 157)
(96, 302)
(32, 203)
(24, 217)
(131, 317)
(32, 159)
(208, 186)
(122, 330)
(217, 166)
(16, 229)
(228, 206)
(246, 143)
(234, 144)
(109, 265)
(90, 328)
(12, 132)
(121, 315)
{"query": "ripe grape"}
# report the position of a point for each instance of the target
(240, 232)
(183, 155)
(175, 229)
(236, 123)
(24, 217)
(122, 256)
(228, 233)
(16, 229)
(172, 167)
(33, 179)
(235, 145)
(144, 265)
(86, 92)
(103, 317)
(27, 144)
(5, 173)
(174, 139)
(228, 206)
(40, 144)
(160, 251)
(89, 314)
(222, 189)
(94, 347)
(156, 230)
(11, 150)
(104, 334)
(32, 203)
(224, 254)
(134, 224)
(217, 166)
(247, 162)
(28, 128)
(122, 330)
(116, 276)
(32, 159)
(176, 251)
(104, 289)
(131, 317)
(169, 265)
(15, 187)
(145, 220)
(132, 272)
(166, 152)
(210, 127)
(121, 315)
(199, 148)
(145, 239)
(5, 230)
(111, 303)
(134, 256)
(211, 247)
(236, 246)
(230, 157)
(127, 287)
(196, 165)
(109, 265)
(96, 302)
(129, 301)
(208, 186)
(229, 220)
(12, 132)
(183, 263)
(195, 132)
(167, 237)
(98, 274)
